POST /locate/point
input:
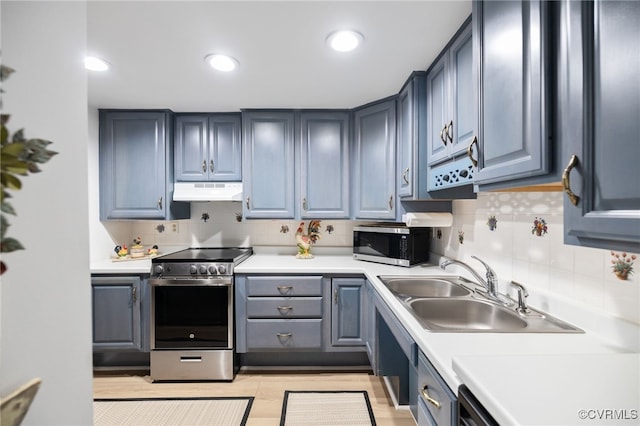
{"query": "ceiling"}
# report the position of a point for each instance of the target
(156, 50)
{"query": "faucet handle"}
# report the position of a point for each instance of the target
(522, 297)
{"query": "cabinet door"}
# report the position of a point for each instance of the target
(268, 164)
(370, 326)
(116, 313)
(462, 93)
(132, 165)
(374, 161)
(324, 165)
(347, 315)
(600, 89)
(191, 148)
(225, 148)
(513, 90)
(437, 110)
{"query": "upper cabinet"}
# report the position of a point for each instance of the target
(136, 166)
(207, 147)
(324, 165)
(513, 84)
(268, 164)
(411, 174)
(599, 89)
(450, 114)
(374, 160)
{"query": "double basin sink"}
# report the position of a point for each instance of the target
(452, 304)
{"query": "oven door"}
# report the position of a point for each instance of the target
(191, 313)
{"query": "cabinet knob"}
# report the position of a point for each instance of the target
(204, 166)
(211, 167)
(248, 198)
(470, 151)
(304, 204)
(405, 176)
(443, 138)
(450, 131)
(566, 184)
(160, 202)
(134, 295)
(391, 202)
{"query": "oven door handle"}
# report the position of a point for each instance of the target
(215, 282)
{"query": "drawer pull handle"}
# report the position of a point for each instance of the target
(190, 359)
(470, 151)
(430, 400)
(284, 288)
(284, 335)
(284, 308)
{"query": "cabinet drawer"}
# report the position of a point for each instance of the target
(284, 307)
(285, 286)
(433, 391)
(284, 334)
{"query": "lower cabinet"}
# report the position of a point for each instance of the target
(117, 319)
(299, 313)
(436, 404)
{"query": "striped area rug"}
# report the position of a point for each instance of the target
(319, 408)
(172, 411)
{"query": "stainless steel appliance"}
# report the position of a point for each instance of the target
(391, 243)
(470, 410)
(192, 314)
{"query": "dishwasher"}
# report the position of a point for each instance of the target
(470, 410)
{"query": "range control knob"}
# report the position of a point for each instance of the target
(222, 269)
(192, 269)
(158, 269)
(213, 270)
(202, 270)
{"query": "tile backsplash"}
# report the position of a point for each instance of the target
(520, 234)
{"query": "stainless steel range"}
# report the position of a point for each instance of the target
(192, 314)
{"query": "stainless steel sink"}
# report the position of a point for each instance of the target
(465, 315)
(453, 304)
(424, 287)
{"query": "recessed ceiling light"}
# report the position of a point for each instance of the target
(93, 63)
(221, 62)
(344, 40)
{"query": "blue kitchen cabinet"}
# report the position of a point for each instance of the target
(268, 164)
(374, 183)
(324, 165)
(514, 105)
(369, 308)
(116, 307)
(208, 147)
(450, 116)
(599, 87)
(136, 166)
(347, 314)
(411, 174)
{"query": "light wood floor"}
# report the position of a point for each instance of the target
(267, 387)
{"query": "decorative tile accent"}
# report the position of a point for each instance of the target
(329, 229)
(461, 237)
(492, 223)
(622, 264)
(160, 228)
(239, 217)
(204, 217)
(539, 227)
(284, 229)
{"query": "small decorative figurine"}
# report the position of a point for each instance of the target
(122, 250)
(304, 242)
(492, 223)
(539, 227)
(153, 250)
(622, 264)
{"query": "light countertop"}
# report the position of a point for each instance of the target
(508, 372)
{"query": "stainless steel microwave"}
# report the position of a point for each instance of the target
(391, 243)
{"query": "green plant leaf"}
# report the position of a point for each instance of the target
(18, 136)
(4, 135)
(10, 181)
(7, 245)
(7, 208)
(4, 225)
(14, 148)
(5, 72)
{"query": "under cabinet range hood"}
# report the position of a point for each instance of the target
(207, 191)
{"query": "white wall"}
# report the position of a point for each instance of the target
(46, 293)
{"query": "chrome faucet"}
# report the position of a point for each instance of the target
(490, 284)
(522, 297)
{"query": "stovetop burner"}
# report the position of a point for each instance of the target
(206, 254)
